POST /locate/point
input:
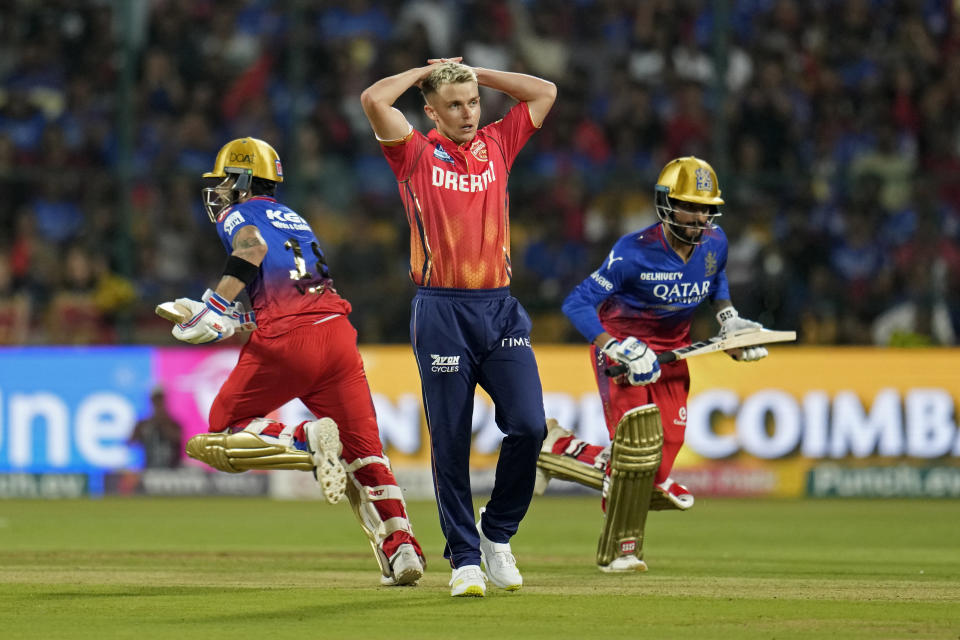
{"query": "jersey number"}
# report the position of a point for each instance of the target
(305, 281)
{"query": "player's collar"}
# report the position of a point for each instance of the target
(435, 136)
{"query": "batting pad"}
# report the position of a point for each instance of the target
(243, 451)
(634, 458)
(567, 468)
(361, 501)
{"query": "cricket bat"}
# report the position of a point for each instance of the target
(175, 313)
(742, 339)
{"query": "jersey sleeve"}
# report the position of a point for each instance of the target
(514, 130)
(402, 154)
(580, 306)
(230, 222)
(721, 288)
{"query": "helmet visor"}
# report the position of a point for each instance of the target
(686, 221)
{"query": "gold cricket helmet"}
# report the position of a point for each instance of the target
(687, 179)
(238, 163)
(247, 156)
(690, 179)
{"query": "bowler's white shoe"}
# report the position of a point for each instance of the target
(323, 440)
(406, 565)
(499, 562)
(624, 564)
(468, 581)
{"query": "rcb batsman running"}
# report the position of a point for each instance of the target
(303, 346)
(465, 327)
(641, 301)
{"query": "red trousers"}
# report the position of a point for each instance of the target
(669, 394)
(317, 363)
(320, 365)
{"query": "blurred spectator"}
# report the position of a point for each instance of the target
(159, 434)
(834, 124)
(14, 306)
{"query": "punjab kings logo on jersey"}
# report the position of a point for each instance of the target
(479, 150)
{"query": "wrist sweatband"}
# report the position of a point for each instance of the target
(216, 302)
(244, 271)
(727, 313)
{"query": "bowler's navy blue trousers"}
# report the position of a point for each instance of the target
(461, 338)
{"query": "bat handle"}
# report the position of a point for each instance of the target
(615, 370)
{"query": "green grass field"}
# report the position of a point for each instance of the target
(245, 568)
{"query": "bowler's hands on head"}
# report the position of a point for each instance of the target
(433, 61)
(639, 359)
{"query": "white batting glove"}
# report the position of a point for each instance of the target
(246, 320)
(731, 324)
(211, 321)
(639, 359)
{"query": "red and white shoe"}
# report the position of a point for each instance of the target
(675, 493)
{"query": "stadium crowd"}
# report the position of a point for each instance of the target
(833, 133)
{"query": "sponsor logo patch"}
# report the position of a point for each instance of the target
(440, 154)
(232, 221)
(279, 167)
(627, 547)
(600, 280)
(444, 364)
(465, 182)
(611, 259)
(681, 419)
(286, 220)
(242, 158)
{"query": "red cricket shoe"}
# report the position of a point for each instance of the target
(675, 493)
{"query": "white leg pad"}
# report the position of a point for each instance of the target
(362, 499)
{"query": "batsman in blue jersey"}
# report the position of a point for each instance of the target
(301, 345)
(641, 301)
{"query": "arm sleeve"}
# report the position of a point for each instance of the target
(581, 305)
(513, 130)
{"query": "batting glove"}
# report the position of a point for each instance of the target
(246, 320)
(731, 324)
(212, 320)
(639, 359)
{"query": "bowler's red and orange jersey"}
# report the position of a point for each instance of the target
(456, 201)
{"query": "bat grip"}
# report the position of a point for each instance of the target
(615, 370)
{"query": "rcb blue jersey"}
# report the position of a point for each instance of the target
(644, 289)
(294, 287)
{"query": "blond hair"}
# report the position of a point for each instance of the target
(447, 73)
